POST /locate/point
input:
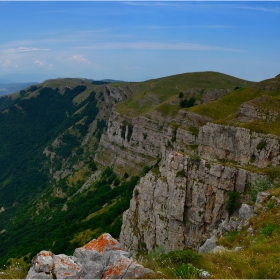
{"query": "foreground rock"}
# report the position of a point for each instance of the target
(101, 258)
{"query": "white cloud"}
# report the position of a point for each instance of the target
(38, 62)
(8, 64)
(80, 58)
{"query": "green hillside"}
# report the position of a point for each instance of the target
(53, 118)
(263, 96)
(154, 92)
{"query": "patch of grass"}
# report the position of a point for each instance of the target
(225, 106)
(268, 229)
(180, 257)
(15, 268)
(194, 130)
(261, 184)
(186, 271)
(175, 264)
(167, 109)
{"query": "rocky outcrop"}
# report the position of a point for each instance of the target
(239, 145)
(212, 94)
(103, 258)
(201, 95)
(257, 109)
(181, 206)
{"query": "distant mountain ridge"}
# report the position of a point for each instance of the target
(7, 88)
(25, 78)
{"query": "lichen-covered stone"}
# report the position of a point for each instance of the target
(101, 258)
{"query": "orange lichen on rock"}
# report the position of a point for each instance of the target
(69, 264)
(46, 254)
(116, 269)
(101, 243)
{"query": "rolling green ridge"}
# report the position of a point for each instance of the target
(49, 136)
(154, 92)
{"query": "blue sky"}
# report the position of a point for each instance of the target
(136, 41)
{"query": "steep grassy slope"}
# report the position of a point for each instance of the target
(260, 102)
(154, 92)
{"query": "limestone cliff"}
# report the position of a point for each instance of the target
(201, 162)
(182, 205)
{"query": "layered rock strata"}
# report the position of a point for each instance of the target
(140, 141)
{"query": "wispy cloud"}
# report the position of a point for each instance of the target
(160, 46)
(254, 5)
(8, 64)
(256, 8)
(25, 49)
(213, 26)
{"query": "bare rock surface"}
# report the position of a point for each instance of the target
(101, 258)
(208, 246)
(256, 109)
(183, 205)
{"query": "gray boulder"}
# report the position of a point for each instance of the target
(261, 196)
(208, 246)
(245, 212)
(101, 258)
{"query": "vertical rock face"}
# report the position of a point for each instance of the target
(181, 206)
(239, 145)
(103, 258)
(137, 142)
(201, 162)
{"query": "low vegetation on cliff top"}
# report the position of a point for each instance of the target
(264, 99)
